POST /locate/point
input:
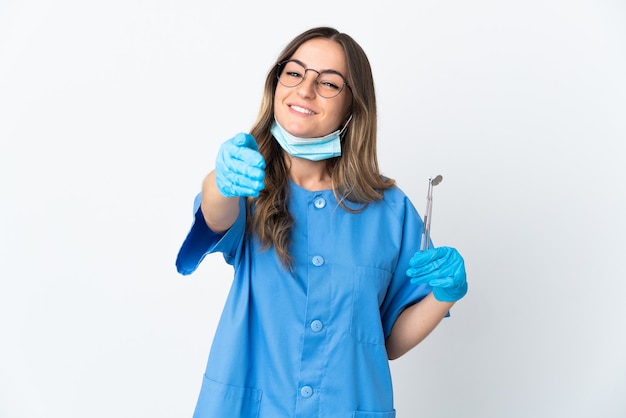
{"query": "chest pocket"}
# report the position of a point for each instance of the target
(370, 287)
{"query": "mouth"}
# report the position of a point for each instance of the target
(301, 110)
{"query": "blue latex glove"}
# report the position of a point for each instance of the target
(442, 268)
(239, 169)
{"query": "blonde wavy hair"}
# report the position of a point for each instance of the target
(355, 175)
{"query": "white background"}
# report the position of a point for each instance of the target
(112, 112)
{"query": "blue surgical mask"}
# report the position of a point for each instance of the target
(314, 149)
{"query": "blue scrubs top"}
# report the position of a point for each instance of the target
(311, 343)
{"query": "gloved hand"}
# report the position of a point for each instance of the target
(239, 169)
(442, 268)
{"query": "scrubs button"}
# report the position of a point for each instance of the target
(318, 260)
(306, 391)
(317, 325)
(320, 202)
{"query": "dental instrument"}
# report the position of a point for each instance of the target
(425, 244)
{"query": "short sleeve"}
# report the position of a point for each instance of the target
(201, 240)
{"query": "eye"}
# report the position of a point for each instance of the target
(329, 85)
(293, 69)
(293, 74)
(330, 81)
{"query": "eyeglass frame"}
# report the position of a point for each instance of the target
(280, 71)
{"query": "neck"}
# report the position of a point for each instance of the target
(310, 175)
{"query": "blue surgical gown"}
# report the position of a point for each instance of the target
(309, 343)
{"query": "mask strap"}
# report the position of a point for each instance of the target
(345, 125)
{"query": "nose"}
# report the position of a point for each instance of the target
(307, 87)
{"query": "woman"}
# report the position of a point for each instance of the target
(328, 280)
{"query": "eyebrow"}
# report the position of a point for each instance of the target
(321, 71)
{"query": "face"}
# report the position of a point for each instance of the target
(300, 110)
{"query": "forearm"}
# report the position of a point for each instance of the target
(219, 212)
(414, 324)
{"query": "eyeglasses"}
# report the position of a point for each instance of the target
(328, 83)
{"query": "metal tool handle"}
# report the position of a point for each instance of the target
(425, 244)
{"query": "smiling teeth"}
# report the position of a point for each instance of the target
(302, 110)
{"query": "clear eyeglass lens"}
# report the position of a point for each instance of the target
(327, 84)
